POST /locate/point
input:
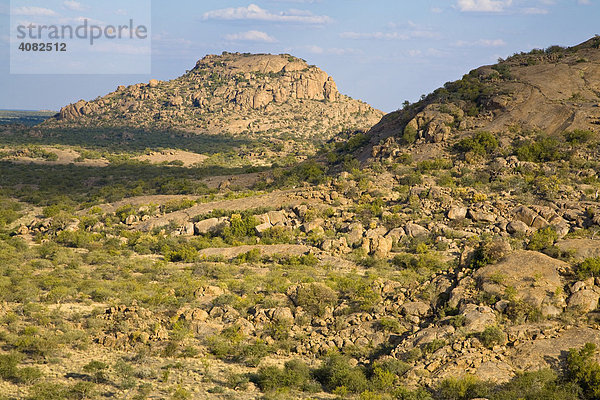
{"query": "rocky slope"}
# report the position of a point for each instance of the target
(254, 95)
(551, 91)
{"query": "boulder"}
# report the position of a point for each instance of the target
(188, 229)
(283, 315)
(381, 246)
(415, 308)
(396, 234)
(414, 230)
(310, 226)
(517, 227)
(584, 300)
(355, 234)
(131, 219)
(456, 212)
(580, 248)
(209, 225)
(534, 276)
(277, 217)
(477, 318)
(260, 229)
(525, 215)
(481, 216)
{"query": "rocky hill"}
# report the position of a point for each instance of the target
(255, 95)
(551, 91)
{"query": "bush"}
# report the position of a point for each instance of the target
(542, 239)
(543, 149)
(315, 298)
(582, 368)
(578, 136)
(98, 370)
(409, 135)
(488, 252)
(491, 336)
(465, 388)
(336, 374)
(588, 268)
(294, 375)
(240, 228)
(481, 144)
(542, 384)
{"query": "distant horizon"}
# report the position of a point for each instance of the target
(381, 55)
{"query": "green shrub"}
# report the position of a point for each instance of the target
(409, 135)
(184, 253)
(583, 369)
(387, 324)
(542, 239)
(315, 298)
(488, 252)
(9, 211)
(358, 291)
(434, 165)
(336, 374)
(543, 149)
(98, 370)
(578, 136)
(542, 384)
(240, 228)
(433, 346)
(464, 388)
(588, 268)
(491, 336)
(481, 143)
(294, 375)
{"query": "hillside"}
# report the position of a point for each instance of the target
(450, 252)
(551, 91)
(253, 95)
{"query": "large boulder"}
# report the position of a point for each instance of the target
(580, 248)
(534, 276)
(584, 300)
(456, 212)
(209, 225)
(477, 318)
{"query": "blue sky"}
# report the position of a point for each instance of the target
(380, 51)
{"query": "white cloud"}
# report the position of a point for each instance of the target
(436, 10)
(254, 12)
(388, 35)
(73, 5)
(314, 49)
(534, 11)
(374, 35)
(120, 11)
(251, 36)
(483, 5)
(481, 43)
(584, 2)
(34, 12)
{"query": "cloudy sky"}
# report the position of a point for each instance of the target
(380, 51)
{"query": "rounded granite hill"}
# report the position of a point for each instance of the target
(253, 95)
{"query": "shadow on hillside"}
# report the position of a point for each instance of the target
(124, 139)
(48, 184)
